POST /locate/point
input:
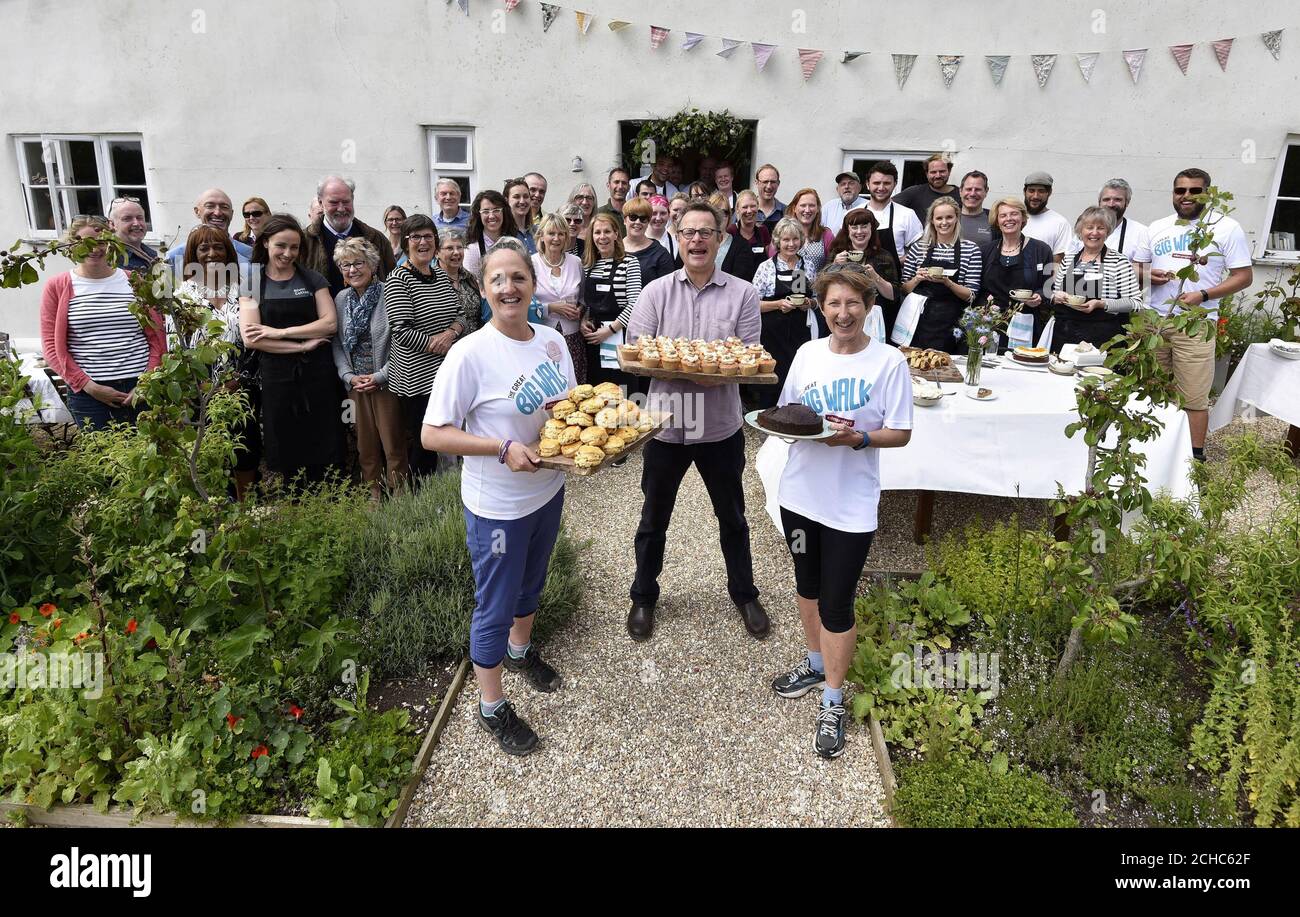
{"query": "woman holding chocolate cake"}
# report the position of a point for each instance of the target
(785, 284)
(830, 488)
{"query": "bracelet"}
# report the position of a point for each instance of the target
(1205, 296)
(505, 447)
(866, 441)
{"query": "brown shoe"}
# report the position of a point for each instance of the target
(641, 621)
(756, 620)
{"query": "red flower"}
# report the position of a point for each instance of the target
(47, 609)
(152, 644)
(260, 751)
(131, 626)
(296, 711)
(81, 636)
(231, 720)
(15, 617)
(56, 623)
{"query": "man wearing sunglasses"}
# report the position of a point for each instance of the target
(126, 216)
(1223, 267)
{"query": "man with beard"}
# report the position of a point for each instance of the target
(849, 191)
(920, 197)
(696, 301)
(1045, 225)
(1223, 267)
(126, 216)
(974, 216)
(1130, 238)
(213, 208)
(336, 223)
(619, 183)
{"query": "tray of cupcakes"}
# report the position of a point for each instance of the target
(726, 362)
(594, 424)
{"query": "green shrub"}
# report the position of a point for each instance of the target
(412, 586)
(1179, 805)
(961, 792)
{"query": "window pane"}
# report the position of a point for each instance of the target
(34, 164)
(79, 163)
(82, 202)
(139, 194)
(1286, 226)
(452, 149)
(465, 196)
(128, 162)
(1290, 186)
(42, 215)
(913, 174)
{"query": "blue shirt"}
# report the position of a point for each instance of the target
(461, 221)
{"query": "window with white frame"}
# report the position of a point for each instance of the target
(451, 155)
(1283, 225)
(910, 166)
(69, 175)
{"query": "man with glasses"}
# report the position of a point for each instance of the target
(766, 182)
(619, 182)
(696, 301)
(213, 208)
(126, 216)
(338, 223)
(1223, 267)
(449, 215)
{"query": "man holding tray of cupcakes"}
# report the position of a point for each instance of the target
(697, 301)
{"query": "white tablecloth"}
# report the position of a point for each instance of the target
(1013, 446)
(53, 410)
(1263, 380)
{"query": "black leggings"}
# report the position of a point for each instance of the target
(827, 566)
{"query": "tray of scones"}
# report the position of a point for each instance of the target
(592, 424)
(730, 361)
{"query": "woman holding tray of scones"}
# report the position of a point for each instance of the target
(830, 488)
(491, 397)
(785, 285)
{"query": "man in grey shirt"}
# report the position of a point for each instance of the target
(974, 215)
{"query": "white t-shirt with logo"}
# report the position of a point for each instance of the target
(1052, 228)
(1169, 240)
(501, 388)
(871, 389)
(907, 227)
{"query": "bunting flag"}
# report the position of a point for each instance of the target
(1043, 64)
(584, 21)
(617, 25)
(1273, 41)
(948, 64)
(511, 4)
(997, 66)
(1222, 48)
(729, 45)
(657, 36)
(851, 56)
(549, 12)
(1135, 59)
(464, 6)
(903, 67)
(809, 58)
(761, 53)
(692, 39)
(1087, 63)
(1182, 55)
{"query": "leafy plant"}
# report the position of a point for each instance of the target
(967, 793)
(692, 131)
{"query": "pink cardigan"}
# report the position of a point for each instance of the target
(54, 333)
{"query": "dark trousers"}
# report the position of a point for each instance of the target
(827, 566)
(422, 462)
(89, 412)
(721, 465)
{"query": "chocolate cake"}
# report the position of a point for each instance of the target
(793, 419)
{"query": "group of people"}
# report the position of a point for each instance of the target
(457, 333)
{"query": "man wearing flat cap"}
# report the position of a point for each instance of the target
(1045, 224)
(848, 187)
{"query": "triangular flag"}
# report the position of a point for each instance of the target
(511, 4)
(851, 56)
(464, 6)
(692, 39)
(1087, 63)
(584, 21)
(1043, 64)
(1182, 54)
(549, 12)
(617, 25)
(808, 60)
(729, 45)
(948, 64)
(903, 67)
(657, 36)
(997, 66)
(1273, 41)
(1135, 59)
(1222, 48)
(761, 53)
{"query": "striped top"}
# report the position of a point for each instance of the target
(418, 308)
(104, 338)
(1120, 291)
(627, 284)
(970, 263)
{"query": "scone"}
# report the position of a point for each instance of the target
(570, 435)
(629, 352)
(594, 436)
(581, 393)
(613, 445)
(607, 418)
(627, 411)
(563, 409)
(589, 456)
(592, 404)
(644, 424)
(548, 447)
(608, 388)
(627, 434)
(569, 450)
(579, 419)
(671, 361)
(553, 428)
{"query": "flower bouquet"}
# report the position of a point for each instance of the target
(981, 325)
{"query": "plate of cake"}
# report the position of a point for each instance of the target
(790, 422)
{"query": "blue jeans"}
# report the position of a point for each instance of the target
(89, 412)
(510, 558)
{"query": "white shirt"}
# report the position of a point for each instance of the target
(833, 211)
(836, 486)
(907, 226)
(1137, 241)
(1052, 228)
(1168, 240)
(501, 388)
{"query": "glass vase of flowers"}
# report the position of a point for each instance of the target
(980, 325)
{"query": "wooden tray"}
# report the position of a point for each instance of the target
(568, 466)
(635, 368)
(946, 374)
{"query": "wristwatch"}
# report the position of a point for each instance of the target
(866, 441)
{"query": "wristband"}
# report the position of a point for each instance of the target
(505, 447)
(866, 441)
(1205, 296)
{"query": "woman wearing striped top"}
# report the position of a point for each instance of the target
(613, 283)
(90, 337)
(1102, 276)
(424, 319)
(956, 265)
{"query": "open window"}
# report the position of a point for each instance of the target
(69, 175)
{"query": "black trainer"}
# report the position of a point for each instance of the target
(540, 675)
(513, 735)
(828, 740)
(798, 681)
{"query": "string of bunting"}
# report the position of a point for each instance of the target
(1041, 64)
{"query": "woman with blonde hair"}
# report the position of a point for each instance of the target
(750, 237)
(394, 217)
(610, 290)
(559, 287)
(1016, 261)
(945, 269)
(254, 211)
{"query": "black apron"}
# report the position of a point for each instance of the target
(1004, 273)
(783, 332)
(889, 245)
(602, 308)
(1073, 326)
(942, 308)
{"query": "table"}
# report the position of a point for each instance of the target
(53, 410)
(1265, 382)
(1013, 446)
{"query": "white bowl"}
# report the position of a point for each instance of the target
(1284, 349)
(926, 402)
(1061, 367)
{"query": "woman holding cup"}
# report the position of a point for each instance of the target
(1095, 289)
(857, 242)
(784, 283)
(945, 269)
(1016, 268)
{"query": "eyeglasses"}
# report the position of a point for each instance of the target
(352, 266)
(254, 214)
(573, 221)
(635, 219)
(424, 236)
(705, 234)
(584, 197)
(1182, 191)
(490, 212)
